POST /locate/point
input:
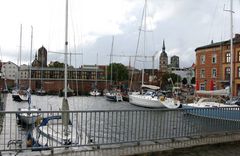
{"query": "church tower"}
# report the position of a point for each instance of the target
(42, 56)
(163, 64)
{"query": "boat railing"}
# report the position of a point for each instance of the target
(98, 128)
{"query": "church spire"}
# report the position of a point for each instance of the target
(163, 47)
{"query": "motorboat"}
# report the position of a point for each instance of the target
(41, 91)
(95, 92)
(28, 116)
(211, 108)
(114, 96)
(19, 95)
(152, 98)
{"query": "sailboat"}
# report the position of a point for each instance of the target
(17, 93)
(151, 98)
(95, 91)
(28, 116)
(113, 94)
(58, 129)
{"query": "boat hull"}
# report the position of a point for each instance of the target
(221, 113)
(153, 102)
(114, 97)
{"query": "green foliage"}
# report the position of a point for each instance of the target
(56, 64)
(119, 72)
(193, 80)
(184, 81)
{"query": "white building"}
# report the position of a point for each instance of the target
(23, 72)
(10, 70)
(187, 73)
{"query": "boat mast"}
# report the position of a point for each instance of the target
(96, 73)
(111, 59)
(30, 68)
(30, 65)
(66, 51)
(144, 40)
(19, 59)
(231, 48)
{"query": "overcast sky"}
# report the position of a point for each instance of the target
(183, 24)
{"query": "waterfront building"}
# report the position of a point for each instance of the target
(213, 64)
(9, 70)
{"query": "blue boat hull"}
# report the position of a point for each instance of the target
(226, 113)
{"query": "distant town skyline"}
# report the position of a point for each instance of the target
(184, 25)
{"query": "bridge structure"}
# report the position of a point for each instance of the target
(115, 132)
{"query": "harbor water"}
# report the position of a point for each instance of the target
(106, 122)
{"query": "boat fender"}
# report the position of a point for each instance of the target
(162, 98)
(38, 121)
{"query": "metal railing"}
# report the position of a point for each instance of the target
(106, 127)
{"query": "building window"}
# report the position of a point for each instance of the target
(202, 73)
(202, 59)
(227, 73)
(214, 73)
(202, 86)
(238, 72)
(239, 56)
(214, 58)
(228, 57)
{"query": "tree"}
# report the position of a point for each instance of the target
(56, 64)
(184, 81)
(119, 72)
(193, 80)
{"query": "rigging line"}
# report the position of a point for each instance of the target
(134, 62)
(210, 33)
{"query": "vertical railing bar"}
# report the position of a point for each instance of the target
(90, 127)
(156, 125)
(72, 131)
(104, 127)
(112, 126)
(81, 129)
(99, 127)
(120, 127)
(10, 135)
(4, 136)
(140, 123)
(94, 132)
(116, 127)
(137, 120)
(147, 113)
(107, 124)
(124, 125)
(128, 131)
(85, 131)
(132, 112)
(153, 123)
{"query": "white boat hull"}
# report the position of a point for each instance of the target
(153, 102)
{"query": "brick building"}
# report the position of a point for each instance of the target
(213, 64)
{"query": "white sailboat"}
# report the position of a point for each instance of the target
(113, 94)
(94, 91)
(17, 93)
(58, 129)
(150, 98)
(28, 116)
